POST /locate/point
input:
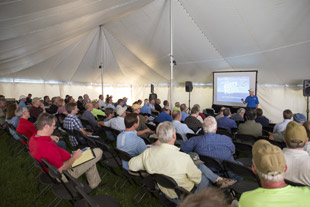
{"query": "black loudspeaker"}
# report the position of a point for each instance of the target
(306, 87)
(153, 96)
(152, 88)
(188, 86)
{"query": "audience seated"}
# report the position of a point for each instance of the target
(166, 159)
(225, 122)
(157, 105)
(297, 159)
(72, 122)
(239, 116)
(101, 103)
(61, 107)
(53, 108)
(24, 126)
(88, 115)
(146, 109)
(299, 118)
(95, 111)
(128, 141)
(211, 144)
(11, 118)
(180, 128)
(118, 122)
(109, 104)
(28, 99)
(209, 197)
(86, 99)
(142, 129)
(2, 112)
(80, 103)
(164, 116)
(41, 146)
(46, 100)
(220, 114)
(176, 106)
(287, 116)
(166, 104)
(184, 111)
(201, 116)
(260, 118)
(109, 112)
(152, 107)
(37, 108)
(192, 122)
(22, 101)
(250, 126)
(270, 166)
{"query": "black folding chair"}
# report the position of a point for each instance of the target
(189, 135)
(93, 201)
(246, 138)
(223, 131)
(250, 183)
(65, 191)
(244, 149)
(214, 165)
(168, 182)
(87, 125)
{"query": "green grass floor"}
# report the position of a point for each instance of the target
(18, 190)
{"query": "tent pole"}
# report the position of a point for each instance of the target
(171, 56)
(101, 60)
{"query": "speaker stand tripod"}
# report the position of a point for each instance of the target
(307, 108)
(189, 102)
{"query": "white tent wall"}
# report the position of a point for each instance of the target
(273, 99)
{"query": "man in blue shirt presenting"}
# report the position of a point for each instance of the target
(251, 100)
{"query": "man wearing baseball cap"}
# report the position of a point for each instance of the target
(297, 159)
(22, 101)
(251, 100)
(143, 130)
(270, 166)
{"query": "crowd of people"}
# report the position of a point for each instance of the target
(165, 154)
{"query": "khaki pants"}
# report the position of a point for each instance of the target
(89, 168)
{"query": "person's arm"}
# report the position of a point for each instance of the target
(136, 163)
(193, 173)
(243, 101)
(85, 132)
(148, 130)
(68, 163)
(189, 145)
(55, 138)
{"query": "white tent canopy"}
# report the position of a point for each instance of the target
(60, 40)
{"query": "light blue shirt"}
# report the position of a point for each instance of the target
(22, 104)
(182, 129)
(145, 109)
(129, 142)
(184, 115)
(152, 106)
(110, 106)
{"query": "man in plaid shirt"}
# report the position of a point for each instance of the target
(71, 122)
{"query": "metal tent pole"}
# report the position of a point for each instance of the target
(171, 55)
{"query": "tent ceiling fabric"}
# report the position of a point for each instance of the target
(62, 40)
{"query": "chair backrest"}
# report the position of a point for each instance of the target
(123, 155)
(279, 144)
(168, 182)
(243, 147)
(100, 117)
(240, 170)
(52, 170)
(152, 127)
(245, 138)
(87, 125)
(190, 135)
(269, 128)
(91, 202)
(109, 133)
(79, 135)
(210, 111)
(179, 136)
(211, 162)
(223, 131)
(265, 133)
(115, 132)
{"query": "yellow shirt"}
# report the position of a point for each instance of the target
(97, 112)
(166, 159)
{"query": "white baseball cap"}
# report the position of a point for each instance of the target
(22, 96)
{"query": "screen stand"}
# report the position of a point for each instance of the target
(189, 102)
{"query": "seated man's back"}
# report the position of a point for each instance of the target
(250, 126)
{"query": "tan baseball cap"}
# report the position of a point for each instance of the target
(135, 107)
(268, 157)
(295, 131)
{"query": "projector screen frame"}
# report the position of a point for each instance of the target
(240, 71)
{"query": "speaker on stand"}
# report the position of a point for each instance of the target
(189, 88)
(306, 92)
(152, 95)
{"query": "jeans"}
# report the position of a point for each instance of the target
(61, 144)
(206, 177)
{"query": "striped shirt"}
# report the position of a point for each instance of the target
(71, 122)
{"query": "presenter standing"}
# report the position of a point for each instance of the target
(251, 101)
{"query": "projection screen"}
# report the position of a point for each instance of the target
(230, 87)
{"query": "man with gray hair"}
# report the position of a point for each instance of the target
(239, 116)
(211, 144)
(270, 166)
(167, 159)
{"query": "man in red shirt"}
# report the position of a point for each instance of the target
(41, 146)
(28, 129)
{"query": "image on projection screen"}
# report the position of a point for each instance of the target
(230, 87)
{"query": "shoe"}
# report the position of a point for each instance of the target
(225, 182)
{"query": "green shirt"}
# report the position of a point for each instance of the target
(176, 109)
(288, 196)
(97, 112)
